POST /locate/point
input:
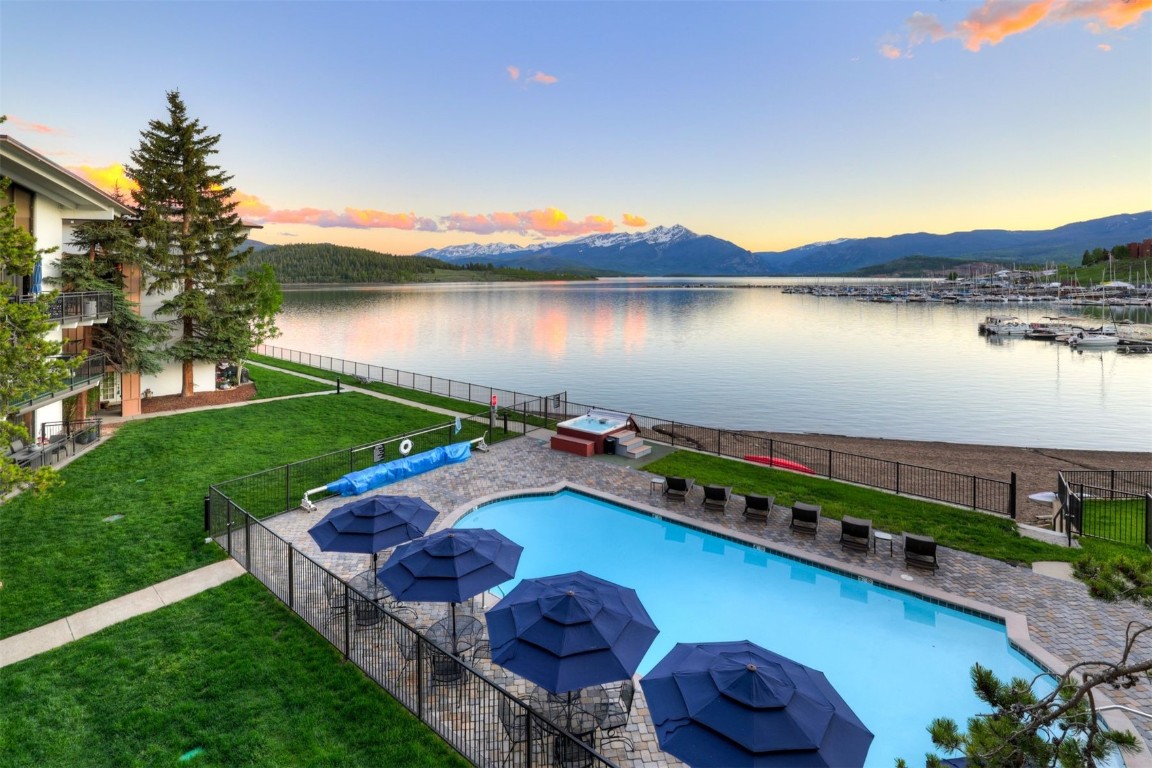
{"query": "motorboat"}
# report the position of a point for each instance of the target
(1004, 325)
(1092, 339)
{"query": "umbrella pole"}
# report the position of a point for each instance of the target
(375, 579)
(453, 627)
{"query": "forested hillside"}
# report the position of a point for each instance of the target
(327, 263)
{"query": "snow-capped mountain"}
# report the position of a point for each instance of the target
(659, 251)
(678, 251)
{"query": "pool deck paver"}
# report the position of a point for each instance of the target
(1063, 621)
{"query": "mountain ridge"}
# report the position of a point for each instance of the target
(678, 251)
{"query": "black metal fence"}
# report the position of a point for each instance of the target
(522, 411)
(457, 390)
(483, 721)
(280, 489)
(66, 437)
(83, 307)
(1110, 504)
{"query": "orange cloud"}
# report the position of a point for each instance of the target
(543, 79)
(634, 221)
(27, 125)
(513, 72)
(546, 222)
(992, 22)
(996, 20)
(350, 218)
(890, 51)
(1104, 47)
(108, 178)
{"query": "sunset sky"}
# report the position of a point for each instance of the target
(401, 126)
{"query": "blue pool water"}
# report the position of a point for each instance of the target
(897, 660)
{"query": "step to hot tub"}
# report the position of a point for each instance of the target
(631, 445)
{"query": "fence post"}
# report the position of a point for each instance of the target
(829, 463)
(228, 520)
(208, 514)
(287, 487)
(897, 478)
(1148, 520)
(348, 608)
(420, 677)
(291, 579)
(718, 435)
(973, 491)
(1012, 497)
(248, 540)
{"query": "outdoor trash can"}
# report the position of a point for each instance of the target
(610, 445)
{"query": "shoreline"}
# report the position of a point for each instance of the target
(1035, 468)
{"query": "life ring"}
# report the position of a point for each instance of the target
(405, 447)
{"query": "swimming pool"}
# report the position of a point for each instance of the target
(898, 660)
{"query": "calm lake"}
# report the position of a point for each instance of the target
(738, 353)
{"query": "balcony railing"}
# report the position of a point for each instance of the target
(86, 375)
(78, 307)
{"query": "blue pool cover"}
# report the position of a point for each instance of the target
(360, 481)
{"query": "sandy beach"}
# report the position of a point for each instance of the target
(1035, 468)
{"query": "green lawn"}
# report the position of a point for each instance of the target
(57, 556)
(414, 395)
(229, 677)
(981, 534)
(278, 384)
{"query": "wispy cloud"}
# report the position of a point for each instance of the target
(538, 78)
(996, 20)
(349, 218)
(28, 125)
(631, 220)
(889, 51)
(546, 222)
(1104, 47)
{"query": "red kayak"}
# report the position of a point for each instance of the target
(781, 464)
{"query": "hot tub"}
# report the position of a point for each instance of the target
(592, 428)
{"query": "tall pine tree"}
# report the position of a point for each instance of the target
(191, 233)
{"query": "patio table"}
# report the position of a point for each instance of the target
(370, 585)
(469, 631)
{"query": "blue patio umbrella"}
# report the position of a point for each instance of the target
(374, 523)
(737, 704)
(450, 566)
(570, 631)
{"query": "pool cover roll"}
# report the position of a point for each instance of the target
(355, 483)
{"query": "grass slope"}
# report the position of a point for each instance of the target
(230, 672)
(271, 384)
(57, 556)
(981, 534)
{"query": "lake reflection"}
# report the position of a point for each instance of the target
(745, 357)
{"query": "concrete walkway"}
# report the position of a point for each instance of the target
(53, 635)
